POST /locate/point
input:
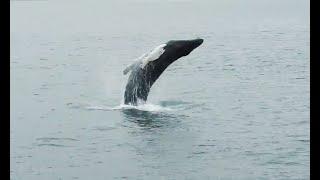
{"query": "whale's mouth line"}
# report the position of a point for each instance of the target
(199, 41)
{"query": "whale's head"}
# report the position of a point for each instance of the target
(179, 48)
(172, 51)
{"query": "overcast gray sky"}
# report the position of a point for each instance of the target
(111, 15)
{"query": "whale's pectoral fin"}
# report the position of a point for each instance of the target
(136, 61)
(130, 67)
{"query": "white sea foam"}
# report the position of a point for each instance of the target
(141, 107)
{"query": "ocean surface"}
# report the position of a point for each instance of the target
(237, 107)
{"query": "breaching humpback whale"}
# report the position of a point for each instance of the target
(146, 69)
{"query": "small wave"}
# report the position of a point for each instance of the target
(199, 153)
(104, 128)
(47, 139)
(52, 145)
(174, 103)
(205, 145)
(54, 141)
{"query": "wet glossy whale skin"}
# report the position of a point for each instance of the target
(145, 72)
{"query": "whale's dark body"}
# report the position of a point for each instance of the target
(141, 79)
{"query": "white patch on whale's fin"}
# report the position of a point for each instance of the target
(153, 55)
(129, 67)
(145, 58)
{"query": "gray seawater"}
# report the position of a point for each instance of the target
(236, 108)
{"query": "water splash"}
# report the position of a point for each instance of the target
(161, 106)
(141, 107)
